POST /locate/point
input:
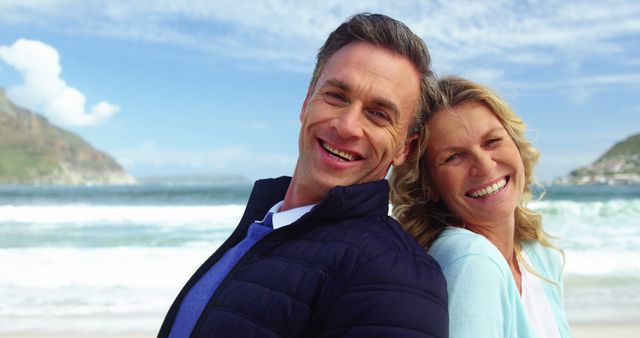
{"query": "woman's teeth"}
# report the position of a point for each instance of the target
(490, 190)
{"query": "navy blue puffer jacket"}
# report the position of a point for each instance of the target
(345, 269)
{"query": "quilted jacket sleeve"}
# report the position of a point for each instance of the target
(393, 295)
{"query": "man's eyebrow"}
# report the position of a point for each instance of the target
(387, 105)
(380, 102)
(338, 83)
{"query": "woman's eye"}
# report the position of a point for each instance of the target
(452, 158)
(493, 141)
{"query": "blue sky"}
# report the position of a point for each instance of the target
(215, 87)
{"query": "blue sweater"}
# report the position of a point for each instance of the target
(483, 298)
(344, 269)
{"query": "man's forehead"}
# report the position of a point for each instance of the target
(390, 76)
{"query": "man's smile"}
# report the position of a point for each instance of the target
(341, 155)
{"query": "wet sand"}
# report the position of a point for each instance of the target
(580, 330)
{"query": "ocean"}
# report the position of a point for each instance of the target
(112, 259)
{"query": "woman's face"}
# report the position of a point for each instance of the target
(475, 166)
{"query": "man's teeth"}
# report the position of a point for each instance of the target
(340, 154)
(490, 189)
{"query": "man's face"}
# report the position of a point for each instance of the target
(355, 121)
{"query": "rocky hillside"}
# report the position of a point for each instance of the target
(33, 151)
(619, 165)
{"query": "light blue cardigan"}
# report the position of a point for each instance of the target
(483, 297)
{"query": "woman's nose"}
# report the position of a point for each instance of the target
(482, 165)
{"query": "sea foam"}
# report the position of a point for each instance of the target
(104, 267)
(79, 214)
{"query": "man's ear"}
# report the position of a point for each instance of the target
(433, 195)
(304, 104)
(410, 145)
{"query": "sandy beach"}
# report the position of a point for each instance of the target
(602, 330)
(79, 335)
(606, 330)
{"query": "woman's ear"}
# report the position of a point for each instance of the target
(432, 194)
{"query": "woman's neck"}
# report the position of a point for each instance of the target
(502, 236)
(515, 271)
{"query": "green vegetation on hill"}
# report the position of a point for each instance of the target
(619, 165)
(622, 149)
(33, 151)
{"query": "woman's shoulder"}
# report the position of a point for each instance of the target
(457, 244)
(535, 248)
(479, 282)
(546, 260)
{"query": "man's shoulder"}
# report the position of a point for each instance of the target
(265, 194)
(269, 186)
(345, 246)
(373, 234)
(378, 244)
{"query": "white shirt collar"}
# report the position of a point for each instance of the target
(282, 218)
(537, 304)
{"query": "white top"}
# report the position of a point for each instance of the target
(537, 305)
(282, 218)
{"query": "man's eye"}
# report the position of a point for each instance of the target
(379, 114)
(335, 98)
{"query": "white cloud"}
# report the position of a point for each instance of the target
(43, 88)
(152, 159)
(529, 58)
(633, 109)
(464, 37)
(587, 82)
(288, 33)
(485, 75)
(257, 125)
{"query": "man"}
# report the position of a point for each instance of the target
(335, 264)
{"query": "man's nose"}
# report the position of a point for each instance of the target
(349, 122)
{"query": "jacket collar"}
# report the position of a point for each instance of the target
(342, 202)
(347, 202)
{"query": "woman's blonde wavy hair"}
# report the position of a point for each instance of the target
(411, 185)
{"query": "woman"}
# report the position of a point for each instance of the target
(464, 196)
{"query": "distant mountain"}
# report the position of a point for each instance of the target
(629, 148)
(34, 151)
(619, 165)
(217, 180)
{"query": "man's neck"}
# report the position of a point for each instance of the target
(296, 196)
